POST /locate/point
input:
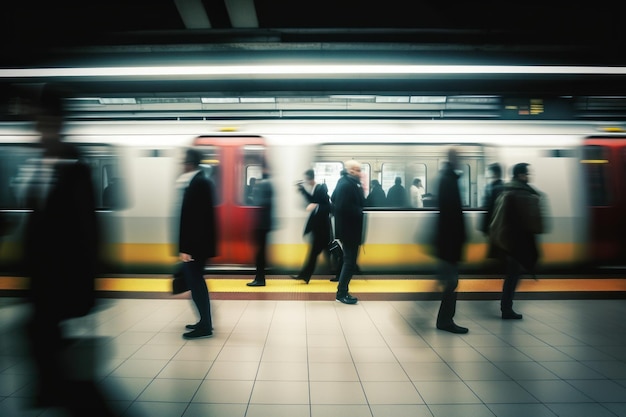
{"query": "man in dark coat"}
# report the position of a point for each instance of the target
(61, 251)
(318, 225)
(376, 197)
(263, 197)
(450, 240)
(397, 195)
(523, 219)
(349, 200)
(197, 236)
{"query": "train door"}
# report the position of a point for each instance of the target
(604, 160)
(233, 164)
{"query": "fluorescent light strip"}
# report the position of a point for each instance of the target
(304, 70)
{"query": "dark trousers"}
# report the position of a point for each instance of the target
(318, 245)
(260, 239)
(350, 253)
(194, 275)
(53, 355)
(513, 274)
(448, 276)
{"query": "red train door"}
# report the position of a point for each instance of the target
(235, 163)
(605, 163)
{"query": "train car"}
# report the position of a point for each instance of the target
(578, 166)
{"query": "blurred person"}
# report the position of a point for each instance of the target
(450, 240)
(348, 200)
(396, 195)
(250, 192)
(61, 252)
(417, 193)
(263, 197)
(492, 191)
(517, 220)
(318, 225)
(376, 197)
(197, 236)
(495, 258)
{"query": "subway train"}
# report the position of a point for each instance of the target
(579, 166)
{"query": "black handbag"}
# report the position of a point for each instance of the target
(335, 249)
(179, 283)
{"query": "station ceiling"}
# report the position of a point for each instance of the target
(67, 33)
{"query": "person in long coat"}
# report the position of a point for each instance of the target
(197, 237)
(450, 240)
(318, 225)
(61, 252)
(263, 197)
(524, 220)
(349, 200)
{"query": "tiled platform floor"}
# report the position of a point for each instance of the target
(325, 359)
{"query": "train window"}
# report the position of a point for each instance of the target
(15, 172)
(596, 162)
(210, 165)
(394, 174)
(253, 174)
(328, 173)
(418, 171)
(107, 177)
(464, 184)
(391, 171)
(365, 177)
(18, 167)
(252, 159)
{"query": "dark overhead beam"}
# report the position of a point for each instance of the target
(193, 14)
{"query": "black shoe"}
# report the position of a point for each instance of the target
(198, 334)
(453, 328)
(256, 283)
(306, 280)
(347, 299)
(193, 326)
(511, 315)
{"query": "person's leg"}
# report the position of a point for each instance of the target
(513, 274)
(350, 252)
(194, 271)
(316, 247)
(448, 277)
(261, 256)
(46, 346)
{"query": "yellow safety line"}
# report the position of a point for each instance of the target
(357, 285)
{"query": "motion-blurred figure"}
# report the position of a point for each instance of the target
(492, 191)
(318, 225)
(263, 197)
(250, 192)
(516, 221)
(450, 239)
(197, 231)
(61, 251)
